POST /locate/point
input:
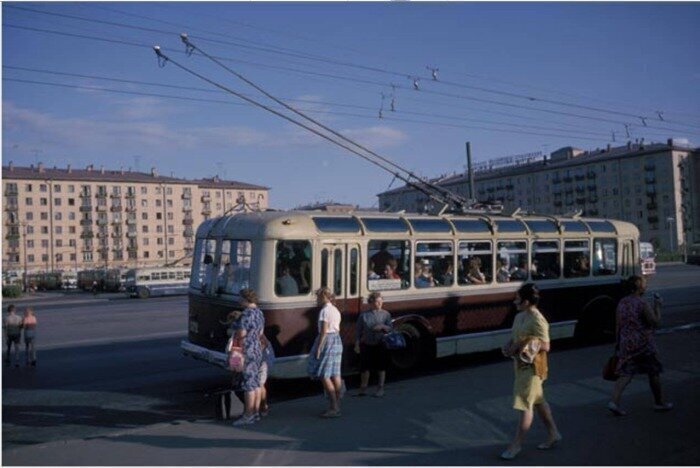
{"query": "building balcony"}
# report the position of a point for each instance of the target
(188, 221)
(557, 203)
(206, 198)
(13, 248)
(87, 235)
(85, 195)
(569, 191)
(509, 187)
(117, 235)
(186, 195)
(103, 249)
(568, 179)
(11, 191)
(101, 195)
(188, 232)
(102, 234)
(130, 195)
(87, 248)
(11, 207)
(86, 222)
(650, 167)
(593, 212)
(102, 222)
(115, 195)
(12, 236)
(652, 206)
(129, 208)
(132, 248)
(556, 181)
(130, 221)
(187, 210)
(132, 234)
(101, 207)
(592, 188)
(115, 208)
(651, 192)
(593, 200)
(591, 175)
(85, 208)
(650, 180)
(206, 211)
(580, 190)
(10, 222)
(653, 219)
(580, 177)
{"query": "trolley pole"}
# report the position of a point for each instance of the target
(470, 172)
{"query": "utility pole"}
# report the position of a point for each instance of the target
(24, 237)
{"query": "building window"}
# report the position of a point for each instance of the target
(159, 215)
(59, 243)
(159, 203)
(71, 243)
(58, 229)
(30, 258)
(170, 216)
(171, 229)
(144, 229)
(146, 254)
(44, 216)
(144, 190)
(71, 216)
(169, 191)
(144, 216)
(159, 241)
(28, 188)
(43, 202)
(42, 187)
(71, 189)
(87, 256)
(169, 203)
(145, 241)
(30, 216)
(71, 229)
(44, 229)
(30, 244)
(30, 229)
(28, 201)
(58, 216)
(171, 241)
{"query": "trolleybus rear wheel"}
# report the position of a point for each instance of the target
(417, 350)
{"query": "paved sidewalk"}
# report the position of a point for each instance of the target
(461, 417)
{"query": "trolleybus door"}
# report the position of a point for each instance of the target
(340, 271)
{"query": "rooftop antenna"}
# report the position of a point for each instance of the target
(661, 115)
(393, 98)
(137, 162)
(381, 106)
(415, 80)
(627, 130)
(613, 136)
(644, 121)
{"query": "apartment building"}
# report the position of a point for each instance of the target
(655, 186)
(72, 219)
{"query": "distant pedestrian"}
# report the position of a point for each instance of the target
(371, 327)
(248, 328)
(327, 352)
(636, 349)
(13, 333)
(29, 330)
(528, 346)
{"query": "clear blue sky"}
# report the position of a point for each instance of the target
(631, 59)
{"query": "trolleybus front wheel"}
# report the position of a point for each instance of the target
(417, 350)
(143, 293)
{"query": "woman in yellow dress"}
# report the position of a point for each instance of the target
(528, 347)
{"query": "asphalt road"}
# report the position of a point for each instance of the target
(109, 365)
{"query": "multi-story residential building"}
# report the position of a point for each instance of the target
(71, 219)
(655, 186)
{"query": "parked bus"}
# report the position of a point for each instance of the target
(647, 258)
(150, 282)
(578, 263)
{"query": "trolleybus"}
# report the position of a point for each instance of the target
(156, 281)
(449, 281)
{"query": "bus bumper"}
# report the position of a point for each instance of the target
(216, 358)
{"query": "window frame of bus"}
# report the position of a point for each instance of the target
(197, 281)
(450, 255)
(379, 283)
(576, 249)
(277, 264)
(597, 270)
(245, 283)
(461, 279)
(532, 259)
(526, 253)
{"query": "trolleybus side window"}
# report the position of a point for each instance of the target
(354, 271)
(513, 255)
(577, 261)
(388, 265)
(604, 257)
(324, 268)
(544, 263)
(203, 263)
(293, 268)
(475, 262)
(434, 264)
(234, 266)
(338, 272)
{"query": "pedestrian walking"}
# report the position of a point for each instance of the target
(247, 330)
(13, 333)
(369, 331)
(326, 353)
(636, 348)
(29, 330)
(528, 346)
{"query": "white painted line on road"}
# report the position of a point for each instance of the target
(687, 326)
(121, 339)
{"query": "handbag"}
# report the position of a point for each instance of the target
(610, 369)
(394, 340)
(234, 358)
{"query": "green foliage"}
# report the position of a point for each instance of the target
(11, 290)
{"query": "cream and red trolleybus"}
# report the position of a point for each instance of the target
(449, 281)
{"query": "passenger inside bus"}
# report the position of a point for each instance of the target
(447, 276)
(474, 273)
(379, 260)
(519, 272)
(425, 278)
(502, 274)
(390, 270)
(209, 272)
(286, 285)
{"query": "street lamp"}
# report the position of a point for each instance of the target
(671, 222)
(24, 237)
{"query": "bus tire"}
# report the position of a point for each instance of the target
(418, 348)
(597, 323)
(143, 293)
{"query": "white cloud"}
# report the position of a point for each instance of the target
(378, 136)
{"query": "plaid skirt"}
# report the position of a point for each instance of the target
(331, 355)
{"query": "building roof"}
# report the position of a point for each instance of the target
(90, 174)
(587, 157)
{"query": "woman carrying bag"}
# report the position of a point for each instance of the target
(369, 332)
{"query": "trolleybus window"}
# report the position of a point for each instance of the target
(604, 257)
(434, 264)
(545, 260)
(475, 263)
(293, 268)
(513, 255)
(234, 266)
(577, 259)
(354, 273)
(203, 263)
(388, 265)
(324, 268)
(338, 272)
